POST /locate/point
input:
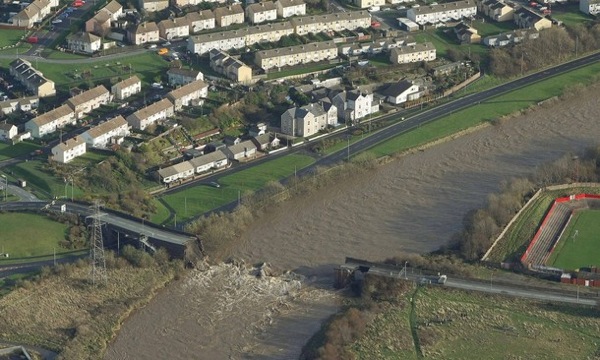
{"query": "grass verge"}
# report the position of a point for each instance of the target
(11, 151)
(20, 235)
(10, 37)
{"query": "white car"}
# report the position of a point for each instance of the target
(153, 46)
(57, 21)
(157, 86)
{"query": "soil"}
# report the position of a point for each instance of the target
(414, 204)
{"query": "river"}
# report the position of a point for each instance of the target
(413, 204)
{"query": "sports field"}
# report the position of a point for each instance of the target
(579, 245)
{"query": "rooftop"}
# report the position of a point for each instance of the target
(70, 143)
(187, 89)
(52, 115)
(87, 96)
(298, 49)
(152, 109)
(107, 126)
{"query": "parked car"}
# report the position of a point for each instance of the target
(157, 85)
(153, 46)
(57, 21)
(214, 184)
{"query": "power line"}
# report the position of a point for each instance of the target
(98, 271)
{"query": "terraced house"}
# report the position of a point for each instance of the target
(200, 20)
(433, 14)
(413, 53)
(126, 88)
(261, 12)
(289, 8)
(527, 19)
(89, 100)
(202, 44)
(232, 14)
(109, 132)
(153, 5)
(174, 28)
(350, 20)
(151, 114)
(179, 76)
(496, 10)
(189, 94)
(49, 122)
(229, 66)
(84, 42)
(294, 55)
(31, 78)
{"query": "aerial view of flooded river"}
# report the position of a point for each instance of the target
(413, 204)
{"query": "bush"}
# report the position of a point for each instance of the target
(137, 258)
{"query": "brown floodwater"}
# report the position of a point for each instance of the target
(413, 204)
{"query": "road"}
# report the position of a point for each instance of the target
(540, 294)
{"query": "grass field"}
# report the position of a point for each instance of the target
(10, 151)
(575, 251)
(490, 27)
(10, 37)
(570, 15)
(444, 41)
(468, 325)
(20, 235)
(40, 182)
(146, 65)
(202, 198)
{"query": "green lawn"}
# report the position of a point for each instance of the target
(194, 201)
(486, 111)
(26, 235)
(162, 213)
(42, 184)
(490, 27)
(570, 15)
(17, 50)
(10, 36)
(575, 251)
(10, 151)
(147, 66)
(444, 41)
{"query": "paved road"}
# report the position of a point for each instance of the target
(544, 294)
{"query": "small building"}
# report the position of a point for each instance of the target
(126, 88)
(257, 129)
(48, 122)
(590, 7)
(266, 142)
(288, 8)
(27, 103)
(179, 76)
(229, 15)
(413, 53)
(510, 38)
(144, 33)
(407, 24)
(151, 114)
(193, 93)
(215, 146)
(89, 100)
(261, 12)
(245, 149)
(174, 28)
(401, 92)
(109, 132)
(8, 131)
(84, 42)
(69, 150)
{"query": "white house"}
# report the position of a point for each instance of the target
(109, 131)
(288, 8)
(261, 11)
(174, 28)
(214, 160)
(201, 20)
(150, 114)
(144, 33)
(189, 94)
(69, 150)
(84, 42)
(7, 131)
(126, 88)
(440, 13)
(27, 103)
(354, 105)
(176, 172)
(401, 92)
(244, 149)
(48, 122)
(232, 14)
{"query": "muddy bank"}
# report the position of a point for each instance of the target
(413, 204)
